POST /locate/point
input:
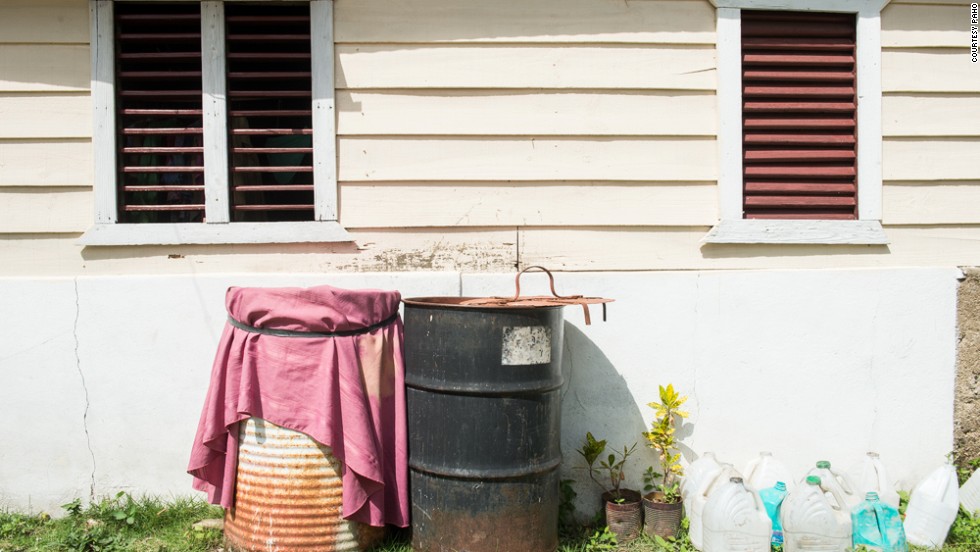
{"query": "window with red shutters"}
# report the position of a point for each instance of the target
(158, 112)
(214, 122)
(799, 109)
(270, 111)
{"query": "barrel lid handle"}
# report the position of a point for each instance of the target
(551, 284)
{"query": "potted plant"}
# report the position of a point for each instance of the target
(622, 506)
(662, 503)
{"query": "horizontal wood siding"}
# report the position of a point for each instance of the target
(540, 66)
(551, 113)
(676, 248)
(923, 26)
(929, 111)
(44, 22)
(41, 116)
(520, 21)
(45, 126)
(525, 158)
(44, 209)
(44, 67)
(479, 135)
(45, 162)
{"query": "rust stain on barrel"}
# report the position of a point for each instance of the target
(289, 496)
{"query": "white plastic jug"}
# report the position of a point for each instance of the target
(695, 474)
(695, 508)
(932, 508)
(970, 494)
(836, 482)
(735, 520)
(814, 521)
(869, 476)
(764, 471)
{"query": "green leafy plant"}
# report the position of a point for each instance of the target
(601, 540)
(665, 485)
(964, 471)
(610, 468)
(566, 505)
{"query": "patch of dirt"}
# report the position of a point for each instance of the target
(967, 407)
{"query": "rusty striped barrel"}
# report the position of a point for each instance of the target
(288, 495)
(484, 420)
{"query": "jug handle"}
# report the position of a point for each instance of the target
(843, 482)
(759, 505)
(842, 505)
(881, 474)
(951, 481)
(707, 490)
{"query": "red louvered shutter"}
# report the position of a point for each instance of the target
(799, 107)
(270, 111)
(158, 112)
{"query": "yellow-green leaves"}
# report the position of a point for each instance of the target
(661, 438)
(670, 401)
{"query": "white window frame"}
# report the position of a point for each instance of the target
(732, 228)
(218, 229)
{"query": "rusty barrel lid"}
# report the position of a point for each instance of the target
(517, 301)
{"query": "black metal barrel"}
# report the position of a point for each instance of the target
(484, 409)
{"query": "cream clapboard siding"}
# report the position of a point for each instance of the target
(930, 107)
(478, 135)
(572, 113)
(45, 120)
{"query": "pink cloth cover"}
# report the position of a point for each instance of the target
(346, 392)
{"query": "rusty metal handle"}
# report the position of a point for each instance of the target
(551, 283)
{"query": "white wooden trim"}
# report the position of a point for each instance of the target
(865, 232)
(869, 141)
(104, 107)
(197, 233)
(214, 103)
(846, 6)
(732, 226)
(324, 111)
(730, 112)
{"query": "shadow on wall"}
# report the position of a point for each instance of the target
(596, 398)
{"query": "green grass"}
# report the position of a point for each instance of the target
(124, 524)
(118, 524)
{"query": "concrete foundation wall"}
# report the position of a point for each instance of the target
(104, 377)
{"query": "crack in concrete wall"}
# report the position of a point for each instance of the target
(966, 428)
(81, 375)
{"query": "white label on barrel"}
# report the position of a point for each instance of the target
(526, 345)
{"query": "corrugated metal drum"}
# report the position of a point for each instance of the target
(288, 495)
(484, 420)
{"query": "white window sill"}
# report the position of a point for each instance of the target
(203, 233)
(856, 232)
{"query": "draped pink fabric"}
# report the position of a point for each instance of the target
(346, 392)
